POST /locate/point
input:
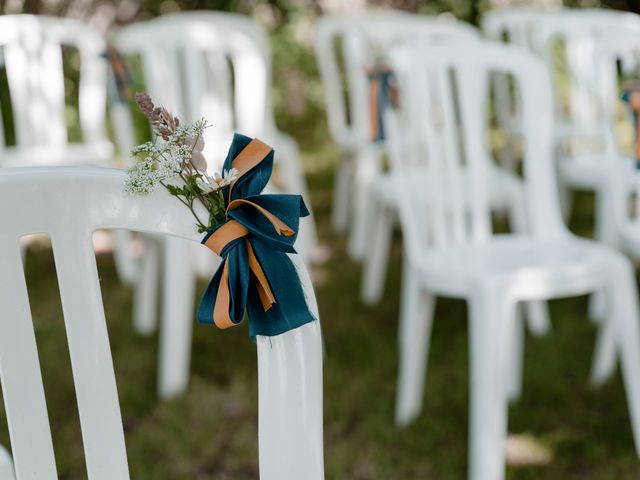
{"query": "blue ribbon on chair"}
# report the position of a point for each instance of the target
(383, 94)
(121, 75)
(631, 96)
(256, 274)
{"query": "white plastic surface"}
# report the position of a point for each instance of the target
(69, 204)
(32, 52)
(452, 251)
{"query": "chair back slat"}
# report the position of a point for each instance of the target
(22, 388)
(91, 363)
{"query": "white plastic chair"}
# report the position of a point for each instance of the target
(216, 66)
(363, 36)
(578, 123)
(69, 204)
(374, 214)
(451, 250)
(32, 51)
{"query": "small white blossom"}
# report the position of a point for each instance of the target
(141, 180)
(230, 176)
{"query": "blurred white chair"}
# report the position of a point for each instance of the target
(374, 211)
(451, 249)
(69, 204)
(578, 115)
(364, 38)
(32, 53)
(215, 66)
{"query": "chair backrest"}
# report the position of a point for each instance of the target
(364, 37)
(578, 31)
(617, 57)
(69, 204)
(209, 65)
(457, 209)
(513, 25)
(32, 49)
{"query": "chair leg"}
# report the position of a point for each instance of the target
(126, 263)
(416, 316)
(603, 365)
(491, 322)
(624, 298)
(145, 300)
(343, 185)
(597, 307)
(179, 281)
(516, 352)
(565, 195)
(377, 258)
(538, 319)
(367, 169)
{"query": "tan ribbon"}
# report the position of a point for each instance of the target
(374, 87)
(248, 158)
(374, 99)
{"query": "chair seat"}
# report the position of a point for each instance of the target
(588, 171)
(100, 154)
(534, 269)
(503, 186)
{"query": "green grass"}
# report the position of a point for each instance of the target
(211, 431)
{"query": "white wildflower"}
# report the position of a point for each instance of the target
(207, 185)
(141, 180)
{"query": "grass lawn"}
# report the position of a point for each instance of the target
(211, 431)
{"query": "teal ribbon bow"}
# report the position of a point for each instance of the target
(256, 274)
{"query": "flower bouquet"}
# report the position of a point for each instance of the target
(251, 231)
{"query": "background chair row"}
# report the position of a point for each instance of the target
(442, 168)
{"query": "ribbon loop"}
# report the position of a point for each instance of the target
(256, 274)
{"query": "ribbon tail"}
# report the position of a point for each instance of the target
(374, 88)
(221, 316)
(262, 284)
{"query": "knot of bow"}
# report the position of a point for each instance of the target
(256, 274)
